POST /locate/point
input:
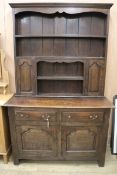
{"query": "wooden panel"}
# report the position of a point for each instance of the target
(60, 21)
(37, 141)
(98, 24)
(61, 86)
(23, 24)
(59, 47)
(84, 47)
(72, 25)
(77, 140)
(45, 68)
(81, 140)
(48, 25)
(92, 23)
(36, 24)
(47, 47)
(97, 48)
(85, 25)
(36, 47)
(24, 76)
(60, 69)
(72, 47)
(23, 47)
(96, 78)
(29, 47)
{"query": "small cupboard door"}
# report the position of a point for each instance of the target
(24, 77)
(79, 142)
(95, 78)
(37, 141)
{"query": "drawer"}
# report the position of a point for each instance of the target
(82, 116)
(40, 116)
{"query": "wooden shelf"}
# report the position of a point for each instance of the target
(62, 36)
(60, 78)
(63, 58)
(59, 94)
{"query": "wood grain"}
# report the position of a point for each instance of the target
(87, 102)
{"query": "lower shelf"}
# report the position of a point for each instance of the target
(60, 87)
(59, 94)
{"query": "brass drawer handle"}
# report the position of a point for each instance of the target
(43, 116)
(48, 123)
(46, 117)
(93, 117)
(69, 116)
(21, 115)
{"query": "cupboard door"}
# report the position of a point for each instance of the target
(95, 79)
(24, 77)
(79, 142)
(37, 142)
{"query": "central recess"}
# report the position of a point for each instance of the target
(60, 78)
(60, 69)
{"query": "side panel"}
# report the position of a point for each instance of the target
(24, 77)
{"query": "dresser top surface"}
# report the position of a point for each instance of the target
(81, 102)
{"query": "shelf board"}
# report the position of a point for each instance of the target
(61, 36)
(60, 78)
(44, 58)
(59, 94)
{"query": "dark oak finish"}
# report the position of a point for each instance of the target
(60, 40)
(25, 76)
(81, 102)
(60, 51)
(59, 129)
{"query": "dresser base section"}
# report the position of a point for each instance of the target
(59, 133)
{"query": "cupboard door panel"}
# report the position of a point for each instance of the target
(24, 77)
(79, 142)
(96, 75)
(37, 141)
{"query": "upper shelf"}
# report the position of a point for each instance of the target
(61, 36)
(59, 58)
(60, 77)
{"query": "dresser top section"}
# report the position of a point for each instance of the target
(85, 102)
(76, 5)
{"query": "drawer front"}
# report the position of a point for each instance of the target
(82, 116)
(30, 115)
